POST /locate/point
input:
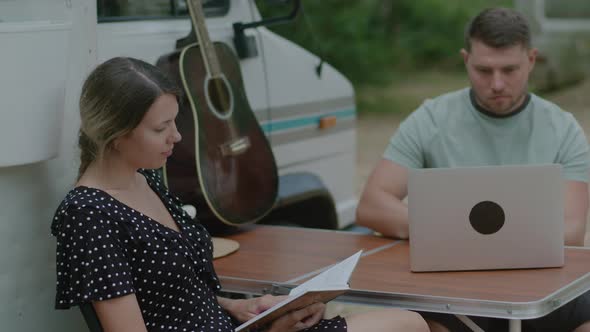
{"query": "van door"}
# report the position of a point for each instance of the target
(149, 29)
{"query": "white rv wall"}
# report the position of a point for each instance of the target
(29, 194)
(32, 10)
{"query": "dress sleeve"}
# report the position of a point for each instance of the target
(90, 260)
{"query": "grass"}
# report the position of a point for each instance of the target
(406, 91)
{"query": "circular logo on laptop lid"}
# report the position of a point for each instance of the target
(487, 217)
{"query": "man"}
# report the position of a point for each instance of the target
(496, 121)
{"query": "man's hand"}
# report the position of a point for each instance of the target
(576, 212)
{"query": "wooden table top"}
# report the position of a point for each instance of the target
(389, 271)
(282, 255)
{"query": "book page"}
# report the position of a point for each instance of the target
(322, 288)
(289, 304)
(338, 274)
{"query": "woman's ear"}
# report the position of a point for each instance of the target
(115, 144)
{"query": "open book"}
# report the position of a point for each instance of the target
(321, 288)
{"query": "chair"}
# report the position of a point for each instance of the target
(90, 317)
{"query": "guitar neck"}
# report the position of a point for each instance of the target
(206, 46)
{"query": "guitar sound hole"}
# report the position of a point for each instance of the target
(219, 95)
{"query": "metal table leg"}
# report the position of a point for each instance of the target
(515, 325)
(469, 323)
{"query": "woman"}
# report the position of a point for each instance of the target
(124, 243)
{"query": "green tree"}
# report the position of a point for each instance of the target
(368, 39)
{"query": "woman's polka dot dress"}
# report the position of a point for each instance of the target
(106, 249)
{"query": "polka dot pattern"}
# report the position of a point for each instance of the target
(106, 249)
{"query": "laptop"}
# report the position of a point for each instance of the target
(490, 217)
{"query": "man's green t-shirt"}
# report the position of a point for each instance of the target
(450, 131)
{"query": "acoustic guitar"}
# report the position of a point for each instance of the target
(224, 164)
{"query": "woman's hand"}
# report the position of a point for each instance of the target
(243, 310)
(299, 319)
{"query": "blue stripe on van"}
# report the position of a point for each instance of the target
(270, 127)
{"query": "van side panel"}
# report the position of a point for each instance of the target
(150, 39)
(29, 194)
(300, 100)
(286, 96)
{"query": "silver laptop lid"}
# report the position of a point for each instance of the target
(491, 217)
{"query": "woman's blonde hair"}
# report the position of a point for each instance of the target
(115, 97)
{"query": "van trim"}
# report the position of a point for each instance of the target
(290, 111)
(293, 135)
(274, 126)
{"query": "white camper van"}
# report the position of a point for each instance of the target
(561, 32)
(47, 47)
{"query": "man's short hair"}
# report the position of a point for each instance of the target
(498, 28)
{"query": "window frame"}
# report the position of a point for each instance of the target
(175, 14)
(549, 6)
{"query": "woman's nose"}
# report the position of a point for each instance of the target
(175, 137)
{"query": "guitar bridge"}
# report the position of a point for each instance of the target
(235, 147)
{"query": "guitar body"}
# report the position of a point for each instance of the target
(223, 165)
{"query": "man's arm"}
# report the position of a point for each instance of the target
(380, 207)
(576, 212)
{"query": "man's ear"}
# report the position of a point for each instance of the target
(465, 55)
(532, 55)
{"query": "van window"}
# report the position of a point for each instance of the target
(133, 10)
(572, 9)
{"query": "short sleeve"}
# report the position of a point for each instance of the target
(574, 154)
(406, 146)
(90, 258)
